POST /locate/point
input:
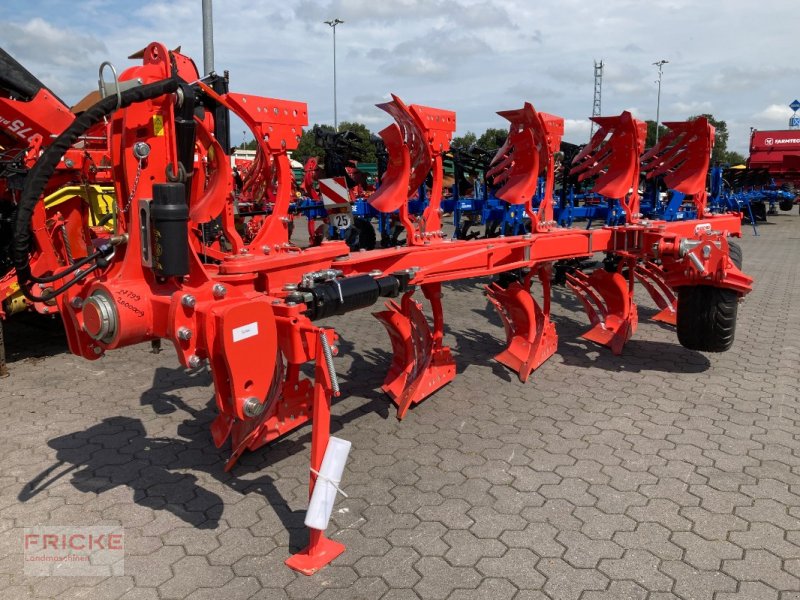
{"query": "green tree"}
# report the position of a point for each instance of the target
(651, 133)
(733, 158)
(307, 147)
(464, 141)
(493, 138)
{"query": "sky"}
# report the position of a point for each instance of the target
(734, 59)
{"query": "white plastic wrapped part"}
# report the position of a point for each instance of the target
(330, 474)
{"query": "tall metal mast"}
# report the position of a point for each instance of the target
(660, 64)
(208, 38)
(598, 92)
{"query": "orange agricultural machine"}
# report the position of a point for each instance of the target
(248, 308)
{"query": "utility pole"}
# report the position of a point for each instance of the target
(333, 23)
(660, 64)
(598, 92)
(208, 38)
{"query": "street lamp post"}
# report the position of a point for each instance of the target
(333, 23)
(208, 37)
(660, 64)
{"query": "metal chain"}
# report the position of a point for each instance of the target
(130, 197)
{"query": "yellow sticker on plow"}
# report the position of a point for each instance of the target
(158, 125)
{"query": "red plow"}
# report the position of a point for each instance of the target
(249, 309)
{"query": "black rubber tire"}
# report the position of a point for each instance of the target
(361, 235)
(759, 211)
(786, 205)
(735, 251)
(706, 318)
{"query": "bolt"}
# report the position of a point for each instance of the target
(76, 302)
(97, 350)
(188, 301)
(706, 251)
(194, 361)
(252, 407)
(219, 291)
(45, 310)
(184, 333)
(69, 163)
(290, 287)
(265, 249)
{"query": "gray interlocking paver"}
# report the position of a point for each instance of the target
(518, 565)
(694, 584)
(751, 589)
(565, 582)
(762, 565)
(658, 474)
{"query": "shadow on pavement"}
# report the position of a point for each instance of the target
(31, 336)
(118, 452)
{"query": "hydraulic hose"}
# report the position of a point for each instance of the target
(39, 175)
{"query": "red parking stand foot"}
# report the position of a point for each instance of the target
(319, 552)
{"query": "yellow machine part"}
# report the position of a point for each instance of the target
(100, 198)
(14, 301)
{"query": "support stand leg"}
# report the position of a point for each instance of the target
(320, 550)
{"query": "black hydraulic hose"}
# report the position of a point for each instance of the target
(53, 293)
(71, 269)
(40, 174)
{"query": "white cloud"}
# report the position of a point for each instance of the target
(779, 113)
(576, 131)
(693, 108)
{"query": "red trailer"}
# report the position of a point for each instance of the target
(777, 151)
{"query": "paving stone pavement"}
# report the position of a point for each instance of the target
(661, 473)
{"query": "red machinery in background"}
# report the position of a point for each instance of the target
(75, 211)
(778, 154)
(249, 309)
(777, 151)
